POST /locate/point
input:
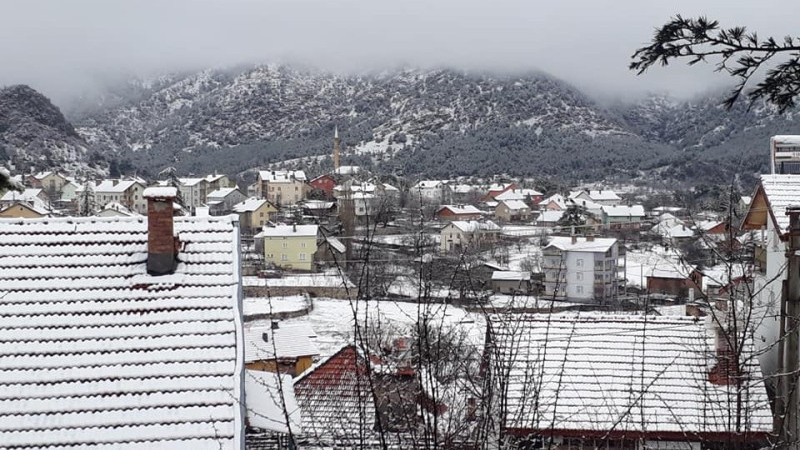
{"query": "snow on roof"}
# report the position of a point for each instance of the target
(746, 199)
(462, 188)
(265, 407)
(221, 193)
(624, 211)
(515, 205)
(160, 192)
(679, 231)
(281, 176)
(249, 205)
(667, 217)
(511, 194)
(472, 226)
(115, 186)
(428, 184)
(191, 181)
(335, 400)
(317, 205)
(290, 230)
(347, 170)
(461, 209)
(100, 345)
(510, 275)
(782, 191)
(596, 195)
(788, 139)
(581, 244)
(28, 195)
(336, 244)
(263, 343)
(36, 207)
(558, 199)
(549, 216)
(626, 373)
(118, 207)
(16, 180)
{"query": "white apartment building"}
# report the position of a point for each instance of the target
(582, 269)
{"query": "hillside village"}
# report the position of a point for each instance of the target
(351, 309)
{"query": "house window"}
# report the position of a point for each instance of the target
(579, 262)
(302, 245)
(270, 256)
(285, 244)
(271, 188)
(261, 214)
(579, 276)
(284, 257)
(302, 256)
(579, 289)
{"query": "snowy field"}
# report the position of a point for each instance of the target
(333, 320)
(273, 305)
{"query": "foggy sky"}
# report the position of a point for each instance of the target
(68, 48)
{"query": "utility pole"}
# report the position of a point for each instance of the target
(791, 364)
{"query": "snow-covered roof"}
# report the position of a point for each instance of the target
(291, 341)
(558, 199)
(281, 176)
(582, 244)
(119, 208)
(336, 244)
(679, 231)
(265, 407)
(335, 400)
(317, 205)
(37, 207)
(597, 195)
(624, 211)
(290, 230)
(96, 352)
(461, 209)
(221, 193)
(550, 216)
(621, 373)
(510, 275)
(301, 280)
(428, 184)
(28, 195)
(511, 194)
(249, 205)
(782, 191)
(515, 205)
(347, 170)
(115, 186)
(191, 181)
(787, 139)
(472, 226)
(462, 188)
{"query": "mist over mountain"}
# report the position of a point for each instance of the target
(433, 123)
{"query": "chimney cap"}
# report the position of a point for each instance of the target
(160, 192)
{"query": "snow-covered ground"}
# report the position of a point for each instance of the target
(333, 320)
(642, 263)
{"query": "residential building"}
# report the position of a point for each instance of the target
(458, 212)
(222, 200)
(281, 187)
(512, 211)
(254, 213)
(678, 280)
(581, 269)
(767, 219)
(460, 235)
(279, 347)
(622, 217)
(555, 202)
(35, 198)
(531, 197)
(115, 209)
(602, 197)
(193, 192)
(549, 217)
(116, 345)
(290, 246)
(495, 189)
(462, 194)
(126, 192)
(324, 184)
(50, 182)
(624, 382)
(23, 210)
(429, 191)
(511, 282)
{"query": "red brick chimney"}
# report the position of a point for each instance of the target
(726, 371)
(162, 245)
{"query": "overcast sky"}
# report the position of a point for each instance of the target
(67, 47)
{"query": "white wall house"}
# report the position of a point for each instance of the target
(581, 268)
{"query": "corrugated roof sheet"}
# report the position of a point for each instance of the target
(94, 351)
